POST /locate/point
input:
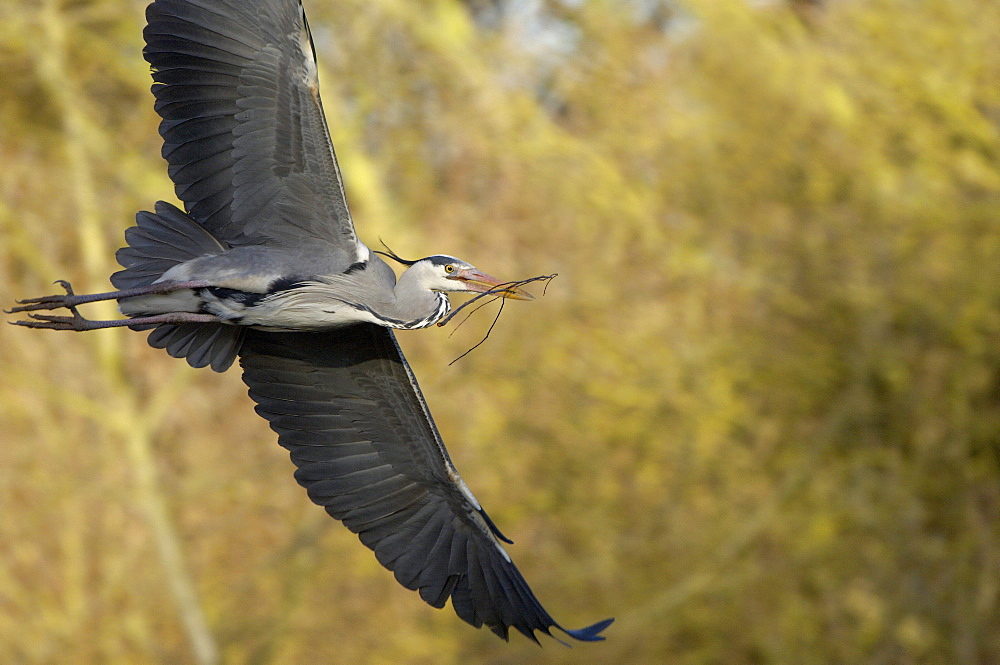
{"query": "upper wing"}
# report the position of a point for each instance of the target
(243, 126)
(346, 405)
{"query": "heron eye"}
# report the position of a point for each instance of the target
(449, 268)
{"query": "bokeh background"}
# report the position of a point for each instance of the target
(756, 417)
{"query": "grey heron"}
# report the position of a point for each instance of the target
(264, 264)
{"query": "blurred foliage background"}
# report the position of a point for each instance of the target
(756, 417)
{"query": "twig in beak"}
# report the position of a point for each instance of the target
(497, 292)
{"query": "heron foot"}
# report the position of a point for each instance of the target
(75, 322)
(69, 300)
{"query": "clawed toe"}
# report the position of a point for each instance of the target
(55, 319)
(51, 325)
(34, 304)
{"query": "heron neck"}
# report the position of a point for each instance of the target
(415, 305)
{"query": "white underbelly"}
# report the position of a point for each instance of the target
(310, 307)
(184, 300)
(280, 314)
(307, 318)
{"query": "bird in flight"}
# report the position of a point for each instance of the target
(263, 263)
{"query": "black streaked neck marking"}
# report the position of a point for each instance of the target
(442, 309)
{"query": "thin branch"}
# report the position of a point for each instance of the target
(478, 307)
(485, 337)
(500, 291)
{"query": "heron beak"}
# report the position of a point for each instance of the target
(480, 282)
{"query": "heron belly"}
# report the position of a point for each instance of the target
(184, 300)
(304, 318)
(295, 309)
(312, 306)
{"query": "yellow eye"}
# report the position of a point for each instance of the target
(449, 268)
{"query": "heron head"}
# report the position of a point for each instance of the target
(446, 273)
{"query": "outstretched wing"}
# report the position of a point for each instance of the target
(243, 127)
(346, 405)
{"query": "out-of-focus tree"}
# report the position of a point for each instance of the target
(756, 416)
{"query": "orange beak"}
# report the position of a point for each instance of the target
(479, 282)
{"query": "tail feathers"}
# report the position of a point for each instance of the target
(202, 344)
(159, 241)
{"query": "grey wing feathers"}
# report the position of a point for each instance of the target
(242, 123)
(344, 404)
(201, 344)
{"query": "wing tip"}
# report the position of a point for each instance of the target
(591, 633)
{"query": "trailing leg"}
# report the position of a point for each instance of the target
(70, 300)
(79, 323)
